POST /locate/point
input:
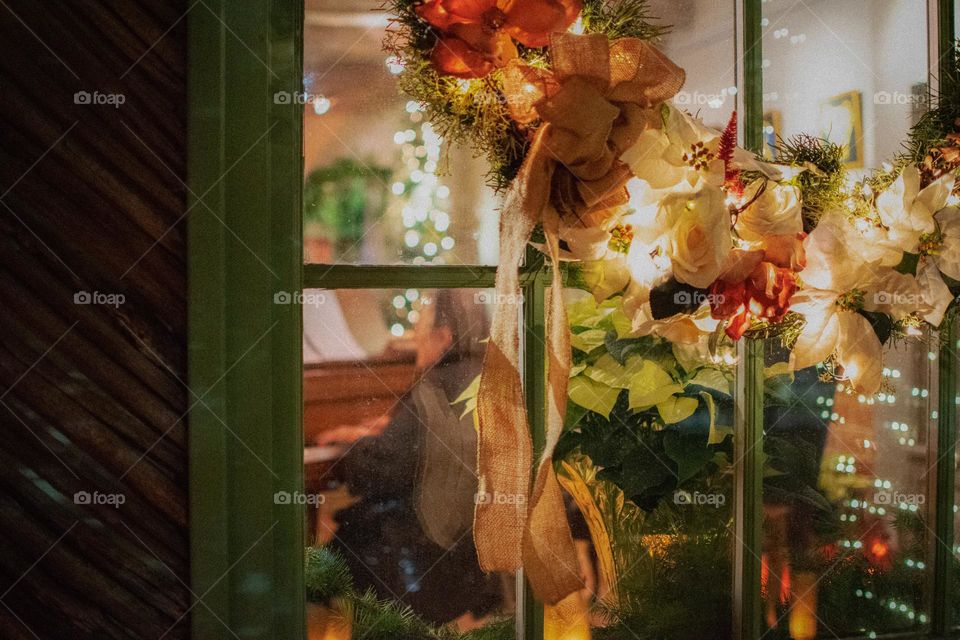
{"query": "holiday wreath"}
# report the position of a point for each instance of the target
(685, 241)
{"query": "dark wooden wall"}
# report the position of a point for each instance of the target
(92, 397)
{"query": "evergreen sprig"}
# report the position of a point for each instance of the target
(822, 184)
(622, 19)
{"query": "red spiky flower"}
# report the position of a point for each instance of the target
(728, 142)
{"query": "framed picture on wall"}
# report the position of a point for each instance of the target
(841, 122)
(772, 131)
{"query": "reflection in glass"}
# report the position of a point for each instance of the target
(845, 500)
(702, 40)
(854, 72)
(391, 449)
(380, 186)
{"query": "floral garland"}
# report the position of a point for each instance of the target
(680, 234)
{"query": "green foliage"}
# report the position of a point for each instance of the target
(621, 19)
(337, 196)
(326, 575)
(822, 183)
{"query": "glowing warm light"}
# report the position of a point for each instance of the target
(321, 105)
(879, 549)
(803, 614)
(394, 65)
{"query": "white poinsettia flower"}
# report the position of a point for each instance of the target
(837, 284)
(940, 254)
(832, 329)
(586, 243)
(936, 294)
(697, 238)
(775, 212)
(676, 156)
(946, 255)
(907, 211)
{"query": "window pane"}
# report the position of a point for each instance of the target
(647, 458)
(380, 186)
(702, 41)
(853, 71)
(389, 451)
(846, 519)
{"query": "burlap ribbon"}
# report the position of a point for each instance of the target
(594, 103)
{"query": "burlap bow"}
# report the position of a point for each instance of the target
(594, 103)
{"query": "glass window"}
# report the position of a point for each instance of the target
(390, 451)
(702, 40)
(854, 72)
(846, 520)
(647, 459)
(381, 187)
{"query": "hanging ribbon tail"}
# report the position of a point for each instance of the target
(505, 450)
(550, 560)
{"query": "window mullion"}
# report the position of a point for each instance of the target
(748, 441)
(529, 610)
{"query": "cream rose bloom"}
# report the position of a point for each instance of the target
(697, 238)
(776, 212)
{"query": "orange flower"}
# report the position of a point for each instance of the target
(478, 36)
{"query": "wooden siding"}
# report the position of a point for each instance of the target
(92, 397)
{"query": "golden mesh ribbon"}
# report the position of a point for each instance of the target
(598, 98)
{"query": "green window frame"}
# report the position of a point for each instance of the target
(245, 367)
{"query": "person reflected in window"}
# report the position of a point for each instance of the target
(408, 536)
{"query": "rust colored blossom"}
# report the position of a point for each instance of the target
(477, 36)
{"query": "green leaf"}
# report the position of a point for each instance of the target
(610, 372)
(588, 340)
(712, 379)
(690, 453)
(717, 434)
(593, 395)
(469, 396)
(651, 385)
(677, 408)
(621, 322)
(584, 313)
